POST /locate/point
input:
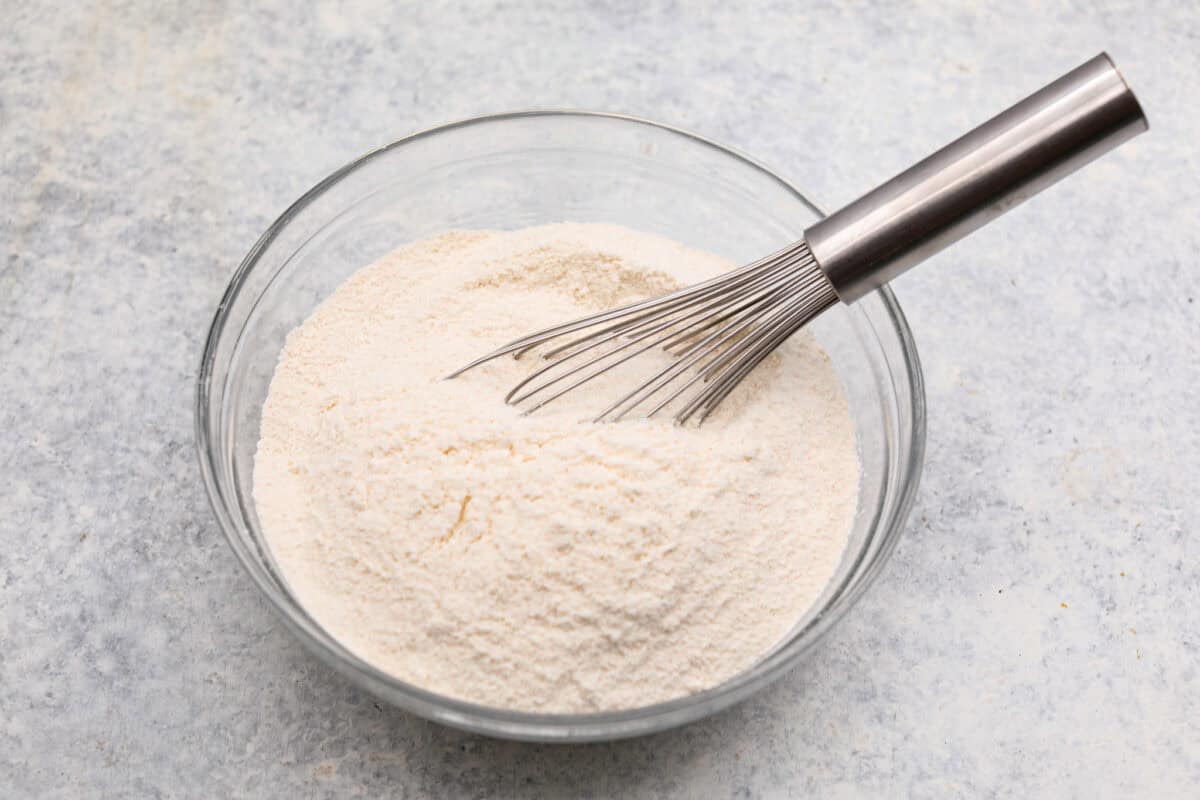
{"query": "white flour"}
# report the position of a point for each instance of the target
(537, 563)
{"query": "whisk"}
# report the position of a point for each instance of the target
(718, 331)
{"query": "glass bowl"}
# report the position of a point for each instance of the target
(510, 171)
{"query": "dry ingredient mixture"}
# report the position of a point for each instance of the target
(540, 563)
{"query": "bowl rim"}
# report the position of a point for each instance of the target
(532, 726)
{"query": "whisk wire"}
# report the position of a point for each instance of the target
(634, 336)
(694, 355)
(715, 332)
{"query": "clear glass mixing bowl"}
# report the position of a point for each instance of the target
(510, 171)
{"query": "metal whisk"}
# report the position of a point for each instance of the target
(718, 331)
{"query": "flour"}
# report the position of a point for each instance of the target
(540, 563)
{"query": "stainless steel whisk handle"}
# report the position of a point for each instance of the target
(976, 178)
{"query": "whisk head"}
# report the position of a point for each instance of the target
(716, 333)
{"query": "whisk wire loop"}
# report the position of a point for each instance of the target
(714, 333)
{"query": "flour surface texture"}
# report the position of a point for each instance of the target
(542, 563)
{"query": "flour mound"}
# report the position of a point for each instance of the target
(540, 563)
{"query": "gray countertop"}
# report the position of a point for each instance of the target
(1036, 633)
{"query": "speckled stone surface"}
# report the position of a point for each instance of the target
(1036, 633)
